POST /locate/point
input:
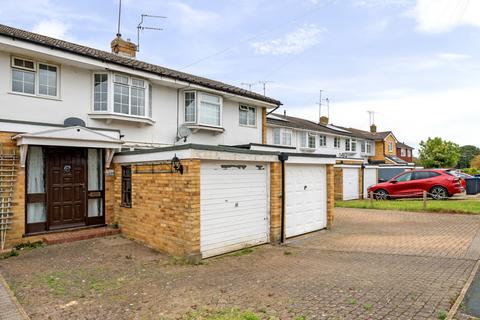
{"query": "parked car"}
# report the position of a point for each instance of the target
(440, 184)
(463, 176)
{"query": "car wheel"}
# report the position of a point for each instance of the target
(381, 195)
(439, 193)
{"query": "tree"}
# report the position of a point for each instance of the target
(439, 153)
(467, 153)
(475, 163)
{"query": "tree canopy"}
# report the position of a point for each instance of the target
(467, 153)
(439, 153)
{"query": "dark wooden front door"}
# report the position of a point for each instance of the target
(66, 187)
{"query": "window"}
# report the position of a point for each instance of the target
(95, 183)
(282, 136)
(336, 142)
(425, 175)
(121, 94)
(404, 177)
(247, 116)
(363, 146)
(208, 106)
(312, 140)
(209, 109)
(100, 92)
(127, 186)
(390, 147)
(35, 186)
(351, 145)
(347, 144)
(368, 145)
(137, 99)
(322, 141)
(403, 152)
(26, 73)
(409, 153)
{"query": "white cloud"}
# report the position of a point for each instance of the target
(191, 19)
(437, 16)
(449, 56)
(52, 28)
(292, 43)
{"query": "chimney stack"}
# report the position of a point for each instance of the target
(373, 128)
(123, 48)
(323, 120)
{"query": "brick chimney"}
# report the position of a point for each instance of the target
(123, 48)
(373, 128)
(323, 120)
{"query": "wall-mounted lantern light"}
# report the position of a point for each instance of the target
(177, 165)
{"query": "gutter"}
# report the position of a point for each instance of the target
(282, 157)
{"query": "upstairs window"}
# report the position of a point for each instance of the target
(247, 116)
(322, 141)
(100, 91)
(282, 136)
(351, 145)
(368, 145)
(390, 147)
(363, 146)
(203, 108)
(336, 142)
(26, 74)
(308, 140)
(403, 152)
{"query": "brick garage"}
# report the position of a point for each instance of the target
(168, 208)
(348, 181)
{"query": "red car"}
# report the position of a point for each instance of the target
(440, 184)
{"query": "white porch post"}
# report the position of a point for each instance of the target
(23, 155)
(108, 157)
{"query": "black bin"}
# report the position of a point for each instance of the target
(473, 185)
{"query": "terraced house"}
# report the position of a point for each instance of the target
(181, 163)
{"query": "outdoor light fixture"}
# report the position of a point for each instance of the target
(177, 165)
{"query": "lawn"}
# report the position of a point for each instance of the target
(448, 206)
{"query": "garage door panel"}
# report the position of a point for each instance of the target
(306, 198)
(234, 206)
(351, 183)
(370, 178)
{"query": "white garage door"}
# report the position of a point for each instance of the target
(306, 198)
(350, 184)
(233, 206)
(370, 178)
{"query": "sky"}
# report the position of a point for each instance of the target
(415, 63)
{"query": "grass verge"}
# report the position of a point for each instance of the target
(446, 206)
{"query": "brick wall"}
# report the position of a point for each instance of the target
(109, 197)
(264, 125)
(330, 195)
(165, 213)
(360, 183)
(275, 201)
(14, 235)
(338, 183)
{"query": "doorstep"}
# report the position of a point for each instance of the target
(77, 235)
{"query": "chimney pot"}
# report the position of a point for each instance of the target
(323, 120)
(123, 48)
(373, 128)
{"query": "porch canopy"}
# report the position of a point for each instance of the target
(74, 136)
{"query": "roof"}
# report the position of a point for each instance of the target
(299, 123)
(134, 64)
(404, 146)
(369, 135)
(396, 160)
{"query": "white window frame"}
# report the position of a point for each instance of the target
(305, 141)
(283, 132)
(368, 147)
(35, 71)
(363, 146)
(247, 108)
(403, 152)
(198, 99)
(337, 142)
(147, 87)
(353, 145)
(390, 146)
(348, 144)
(322, 140)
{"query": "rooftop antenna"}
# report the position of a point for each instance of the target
(328, 107)
(249, 85)
(264, 82)
(371, 115)
(119, 17)
(141, 27)
(320, 104)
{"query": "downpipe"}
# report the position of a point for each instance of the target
(282, 157)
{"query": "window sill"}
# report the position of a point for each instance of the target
(201, 127)
(34, 96)
(307, 149)
(247, 126)
(109, 117)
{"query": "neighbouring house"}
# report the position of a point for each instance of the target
(353, 173)
(405, 152)
(181, 163)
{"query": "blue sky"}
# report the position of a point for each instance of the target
(414, 62)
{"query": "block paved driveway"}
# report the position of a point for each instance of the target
(372, 265)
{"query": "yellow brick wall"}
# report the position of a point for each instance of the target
(360, 182)
(275, 201)
(165, 213)
(330, 194)
(391, 139)
(109, 197)
(15, 234)
(379, 151)
(338, 183)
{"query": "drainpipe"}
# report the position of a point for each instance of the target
(283, 157)
(363, 180)
(273, 110)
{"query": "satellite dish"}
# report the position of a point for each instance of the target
(73, 122)
(184, 133)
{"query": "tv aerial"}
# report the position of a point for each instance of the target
(183, 133)
(141, 27)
